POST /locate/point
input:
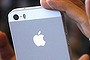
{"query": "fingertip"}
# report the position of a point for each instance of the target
(44, 4)
(3, 39)
(84, 57)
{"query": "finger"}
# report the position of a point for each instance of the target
(79, 15)
(59, 5)
(87, 4)
(84, 57)
(44, 4)
(13, 58)
(74, 11)
(79, 3)
(3, 39)
(48, 4)
(70, 8)
(53, 4)
(5, 49)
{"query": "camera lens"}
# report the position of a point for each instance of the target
(16, 17)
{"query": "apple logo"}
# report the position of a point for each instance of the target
(38, 39)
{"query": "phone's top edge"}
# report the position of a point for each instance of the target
(26, 8)
(38, 11)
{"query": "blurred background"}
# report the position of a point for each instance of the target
(79, 43)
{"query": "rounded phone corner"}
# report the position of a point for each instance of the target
(24, 8)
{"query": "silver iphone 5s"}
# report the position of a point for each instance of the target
(38, 34)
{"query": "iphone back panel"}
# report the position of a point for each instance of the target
(38, 34)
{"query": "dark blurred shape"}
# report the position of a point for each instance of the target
(6, 6)
(16, 17)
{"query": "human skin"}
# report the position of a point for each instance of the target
(73, 8)
(76, 10)
(6, 50)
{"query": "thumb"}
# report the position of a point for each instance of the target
(5, 49)
(87, 5)
(44, 4)
(84, 57)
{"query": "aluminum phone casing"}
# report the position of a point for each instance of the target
(38, 19)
